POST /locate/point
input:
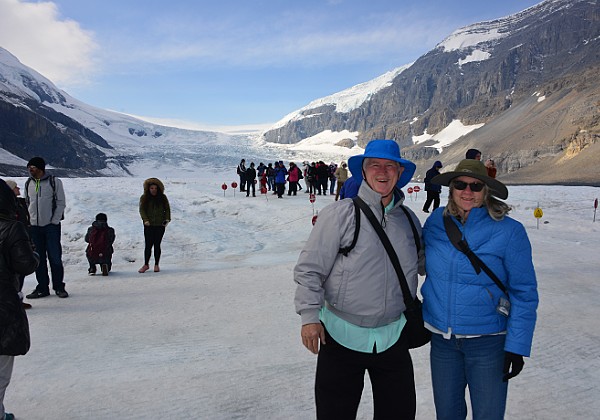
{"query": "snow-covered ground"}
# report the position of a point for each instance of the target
(214, 334)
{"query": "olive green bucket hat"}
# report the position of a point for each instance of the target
(474, 169)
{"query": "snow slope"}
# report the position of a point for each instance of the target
(214, 334)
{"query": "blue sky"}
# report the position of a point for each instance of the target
(228, 62)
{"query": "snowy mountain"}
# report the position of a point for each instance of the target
(76, 139)
(516, 82)
(37, 118)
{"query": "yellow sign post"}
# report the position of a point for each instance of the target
(538, 213)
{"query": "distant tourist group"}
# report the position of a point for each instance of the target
(319, 178)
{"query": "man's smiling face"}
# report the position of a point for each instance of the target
(382, 176)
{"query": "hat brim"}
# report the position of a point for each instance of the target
(355, 166)
(497, 188)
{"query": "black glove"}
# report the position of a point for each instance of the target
(514, 360)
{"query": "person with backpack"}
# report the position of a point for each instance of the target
(351, 303)
(100, 238)
(433, 190)
(155, 212)
(17, 259)
(480, 294)
(241, 171)
(45, 197)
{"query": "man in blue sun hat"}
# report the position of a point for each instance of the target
(349, 297)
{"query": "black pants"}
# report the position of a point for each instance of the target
(280, 189)
(432, 196)
(341, 375)
(153, 237)
(250, 184)
(293, 188)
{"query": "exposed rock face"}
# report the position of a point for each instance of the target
(41, 131)
(551, 50)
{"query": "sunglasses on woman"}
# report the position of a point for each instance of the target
(474, 186)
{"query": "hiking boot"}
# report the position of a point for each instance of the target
(26, 305)
(144, 268)
(92, 271)
(105, 269)
(36, 294)
(62, 293)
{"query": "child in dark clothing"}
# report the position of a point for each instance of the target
(100, 238)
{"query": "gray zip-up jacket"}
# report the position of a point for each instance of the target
(40, 198)
(361, 288)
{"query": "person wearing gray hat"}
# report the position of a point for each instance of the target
(349, 297)
(479, 296)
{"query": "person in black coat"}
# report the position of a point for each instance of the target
(250, 180)
(17, 257)
(322, 177)
(433, 190)
(23, 217)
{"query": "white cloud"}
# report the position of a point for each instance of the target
(37, 35)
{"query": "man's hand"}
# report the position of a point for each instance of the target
(311, 334)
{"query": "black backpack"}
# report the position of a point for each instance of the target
(97, 249)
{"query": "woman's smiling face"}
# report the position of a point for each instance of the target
(467, 199)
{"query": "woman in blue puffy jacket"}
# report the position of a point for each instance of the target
(481, 333)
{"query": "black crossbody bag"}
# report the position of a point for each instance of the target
(414, 331)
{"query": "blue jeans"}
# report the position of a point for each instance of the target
(47, 244)
(473, 362)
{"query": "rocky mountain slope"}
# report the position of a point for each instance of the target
(76, 139)
(532, 79)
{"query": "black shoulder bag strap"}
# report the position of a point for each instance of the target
(408, 299)
(459, 243)
(349, 248)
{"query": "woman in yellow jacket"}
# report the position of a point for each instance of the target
(156, 214)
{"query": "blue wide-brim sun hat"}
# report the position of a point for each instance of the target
(383, 149)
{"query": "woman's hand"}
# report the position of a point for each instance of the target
(513, 365)
(311, 334)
